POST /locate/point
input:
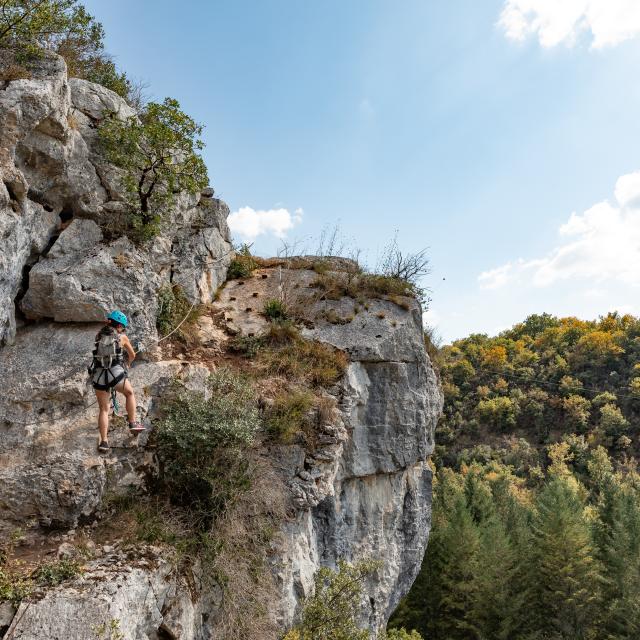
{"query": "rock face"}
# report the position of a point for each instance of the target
(51, 172)
(363, 491)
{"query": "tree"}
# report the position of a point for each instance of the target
(499, 413)
(33, 25)
(158, 152)
(66, 28)
(330, 613)
(565, 575)
(577, 411)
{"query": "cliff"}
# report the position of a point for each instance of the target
(361, 491)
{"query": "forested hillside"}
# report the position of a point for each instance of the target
(536, 520)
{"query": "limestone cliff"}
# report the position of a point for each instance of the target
(362, 491)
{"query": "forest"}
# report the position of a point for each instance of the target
(536, 511)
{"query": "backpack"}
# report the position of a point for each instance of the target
(107, 351)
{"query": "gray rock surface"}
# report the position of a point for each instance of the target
(51, 170)
(362, 491)
(120, 595)
(50, 471)
(365, 490)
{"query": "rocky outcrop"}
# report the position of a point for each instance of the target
(365, 491)
(52, 172)
(361, 491)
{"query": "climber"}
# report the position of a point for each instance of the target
(109, 374)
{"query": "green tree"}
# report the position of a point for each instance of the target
(612, 424)
(158, 152)
(66, 28)
(331, 612)
(33, 25)
(499, 413)
(565, 575)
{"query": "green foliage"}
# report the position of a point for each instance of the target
(499, 413)
(33, 25)
(544, 378)
(158, 153)
(243, 263)
(275, 310)
(53, 573)
(330, 613)
(200, 443)
(14, 585)
(535, 534)
(286, 418)
(65, 27)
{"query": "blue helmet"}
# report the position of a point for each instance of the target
(118, 316)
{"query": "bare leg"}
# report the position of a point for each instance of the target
(103, 416)
(126, 390)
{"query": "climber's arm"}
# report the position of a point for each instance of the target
(128, 348)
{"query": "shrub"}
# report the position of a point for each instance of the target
(200, 442)
(286, 418)
(330, 613)
(53, 573)
(14, 584)
(247, 346)
(242, 265)
(275, 310)
(500, 413)
(176, 314)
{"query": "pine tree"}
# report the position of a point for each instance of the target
(565, 577)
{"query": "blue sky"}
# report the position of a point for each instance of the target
(473, 128)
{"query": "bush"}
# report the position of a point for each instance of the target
(330, 613)
(53, 573)
(242, 265)
(275, 310)
(14, 584)
(287, 417)
(247, 346)
(200, 443)
(499, 413)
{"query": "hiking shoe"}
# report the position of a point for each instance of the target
(136, 427)
(103, 447)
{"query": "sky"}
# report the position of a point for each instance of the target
(502, 135)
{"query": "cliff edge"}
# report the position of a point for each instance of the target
(359, 487)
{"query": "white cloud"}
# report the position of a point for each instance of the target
(555, 22)
(598, 246)
(250, 223)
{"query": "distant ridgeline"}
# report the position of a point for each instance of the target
(536, 513)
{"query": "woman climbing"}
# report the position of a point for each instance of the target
(108, 374)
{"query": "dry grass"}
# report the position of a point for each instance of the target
(359, 286)
(289, 415)
(303, 361)
(121, 260)
(14, 72)
(72, 121)
(248, 532)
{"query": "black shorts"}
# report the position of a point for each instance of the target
(113, 383)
